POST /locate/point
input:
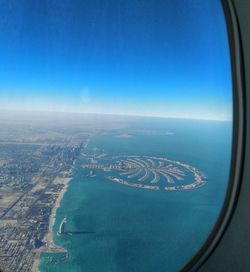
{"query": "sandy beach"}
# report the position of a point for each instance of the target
(49, 246)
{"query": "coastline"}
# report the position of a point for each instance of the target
(49, 246)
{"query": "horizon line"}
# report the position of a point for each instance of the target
(116, 114)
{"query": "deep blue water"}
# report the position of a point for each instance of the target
(139, 230)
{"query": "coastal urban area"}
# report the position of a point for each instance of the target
(37, 158)
(36, 162)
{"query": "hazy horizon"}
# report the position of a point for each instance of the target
(26, 112)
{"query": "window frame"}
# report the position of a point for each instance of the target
(238, 140)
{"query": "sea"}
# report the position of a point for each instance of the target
(117, 228)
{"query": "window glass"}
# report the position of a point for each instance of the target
(116, 127)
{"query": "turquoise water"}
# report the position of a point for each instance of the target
(128, 229)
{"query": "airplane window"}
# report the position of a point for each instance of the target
(116, 132)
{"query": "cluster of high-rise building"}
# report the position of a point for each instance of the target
(29, 190)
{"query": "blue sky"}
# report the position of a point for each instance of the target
(139, 57)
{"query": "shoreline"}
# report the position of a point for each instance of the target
(49, 246)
